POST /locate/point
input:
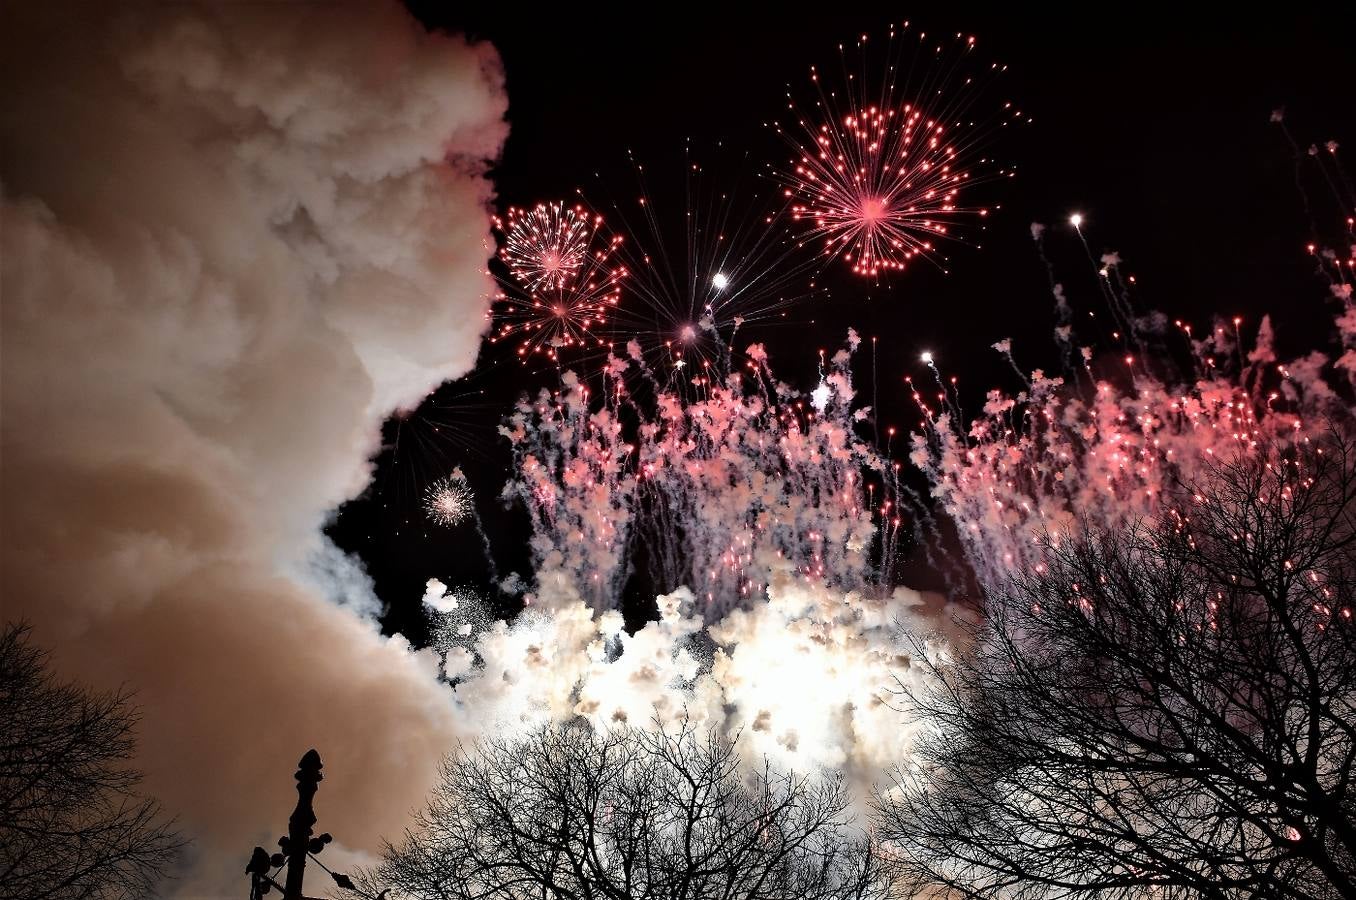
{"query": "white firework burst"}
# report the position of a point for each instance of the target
(449, 501)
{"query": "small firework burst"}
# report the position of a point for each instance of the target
(565, 281)
(544, 247)
(878, 175)
(449, 501)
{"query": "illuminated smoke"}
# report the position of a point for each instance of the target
(805, 674)
(235, 238)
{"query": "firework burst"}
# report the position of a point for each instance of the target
(564, 282)
(878, 176)
(449, 501)
(546, 246)
(700, 260)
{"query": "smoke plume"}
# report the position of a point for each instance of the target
(234, 240)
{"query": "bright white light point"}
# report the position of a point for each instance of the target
(720, 281)
(927, 357)
(1076, 220)
(820, 396)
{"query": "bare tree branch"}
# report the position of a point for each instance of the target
(71, 823)
(572, 813)
(1168, 711)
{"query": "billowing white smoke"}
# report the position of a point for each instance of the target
(808, 675)
(234, 239)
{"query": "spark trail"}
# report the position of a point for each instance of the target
(742, 480)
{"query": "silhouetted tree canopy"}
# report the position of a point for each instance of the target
(1168, 711)
(71, 823)
(573, 813)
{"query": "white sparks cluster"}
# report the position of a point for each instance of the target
(449, 501)
(545, 246)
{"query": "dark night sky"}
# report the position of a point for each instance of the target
(1154, 125)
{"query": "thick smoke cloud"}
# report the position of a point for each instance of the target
(234, 239)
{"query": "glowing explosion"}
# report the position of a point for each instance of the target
(449, 501)
(566, 281)
(877, 177)
(772, 528)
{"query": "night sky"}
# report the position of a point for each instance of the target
(237, 235)
(1154, 126)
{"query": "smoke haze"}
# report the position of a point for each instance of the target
(234, 240)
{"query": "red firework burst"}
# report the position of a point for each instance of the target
(544, 247)
(880, 188)
(565, 281)
(879, 182)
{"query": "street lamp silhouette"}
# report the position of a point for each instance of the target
(297, 845)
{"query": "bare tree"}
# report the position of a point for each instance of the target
(71, 823)
(1168, 711)
(572, 813)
